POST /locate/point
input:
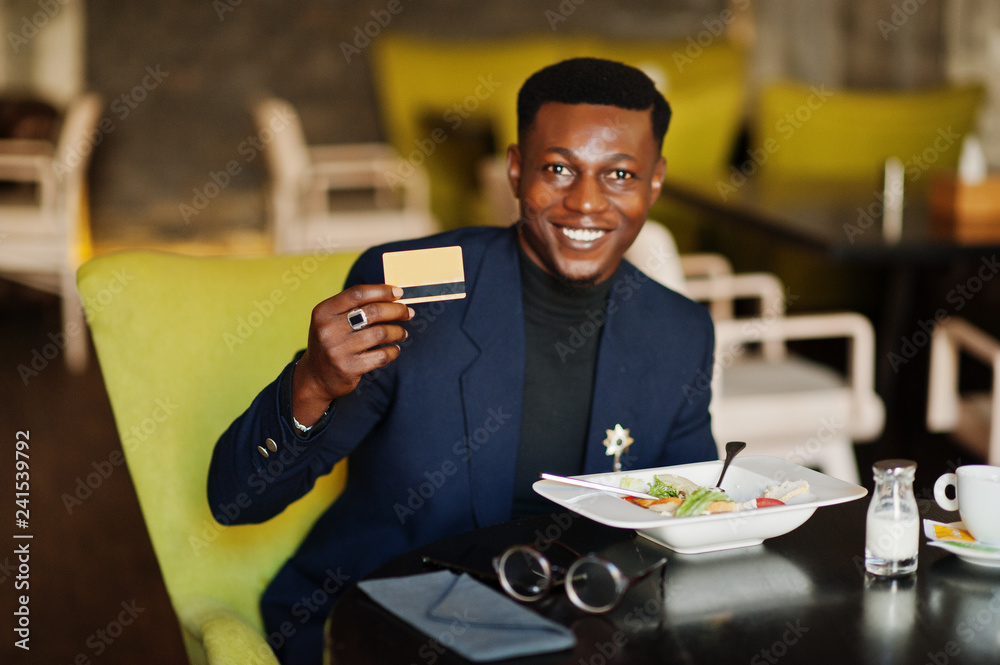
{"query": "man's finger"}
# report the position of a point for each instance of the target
(377, 312)
(377, 358)
(360, 341)
(362, 294)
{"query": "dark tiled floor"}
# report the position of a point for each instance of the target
(87, 560)
(90, 560)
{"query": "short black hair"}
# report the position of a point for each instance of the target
(592, 81)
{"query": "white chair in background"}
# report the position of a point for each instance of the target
(45, 239)
(346, 196)
(779, 403)
(968, 416)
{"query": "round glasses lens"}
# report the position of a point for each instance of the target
(594, 585)
(525, 573)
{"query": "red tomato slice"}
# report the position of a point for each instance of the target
(766, 503)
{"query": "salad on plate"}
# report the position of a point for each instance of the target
(679, 497)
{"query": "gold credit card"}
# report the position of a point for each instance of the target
(426, 275)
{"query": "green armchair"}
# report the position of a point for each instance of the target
(184, 345)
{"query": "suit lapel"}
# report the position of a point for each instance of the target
(492, 385)
(615, 376)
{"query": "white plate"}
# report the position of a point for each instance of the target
(977, 557)
(746, 478)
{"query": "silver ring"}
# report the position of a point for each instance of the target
(357, 318)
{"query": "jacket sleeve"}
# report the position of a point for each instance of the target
(261, 463)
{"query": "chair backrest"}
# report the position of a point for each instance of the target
(287, 158)
(280, 127)
(76, 137)
(804, 132)
(654, 252)
(184, 345)
(76, 144)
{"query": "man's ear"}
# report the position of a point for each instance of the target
(514, 168)
(659, 171)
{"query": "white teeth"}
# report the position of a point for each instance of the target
(583, 235)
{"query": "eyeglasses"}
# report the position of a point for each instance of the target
(594, 584)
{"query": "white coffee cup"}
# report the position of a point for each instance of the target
(977, 499)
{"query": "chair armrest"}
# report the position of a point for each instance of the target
(705, 264)
(722, 291)
(708, 265)
(730, 336)
(24, 166)
(380, 172)
(226, 637)
(949, 338)
(762, 286)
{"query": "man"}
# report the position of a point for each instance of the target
(449, 410)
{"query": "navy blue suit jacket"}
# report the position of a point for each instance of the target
(432, 438)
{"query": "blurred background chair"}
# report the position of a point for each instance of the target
(180, 375)
(817, 133)
(780, 403)
(969, 416)
(818, 143)
(346, 196)
(467, 90)
(45, 235)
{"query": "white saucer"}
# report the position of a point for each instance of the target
(976, 557)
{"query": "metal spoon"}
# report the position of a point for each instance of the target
(733, 449)
(592, 485)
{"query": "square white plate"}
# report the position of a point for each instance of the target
(746, 479)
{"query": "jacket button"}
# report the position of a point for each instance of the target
(263, 451)
(271, 445)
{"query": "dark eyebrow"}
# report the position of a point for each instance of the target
(569, 154)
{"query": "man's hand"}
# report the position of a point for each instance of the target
(337, 355)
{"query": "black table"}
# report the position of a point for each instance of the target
(799, 598)
(841, 220)
(842, 223)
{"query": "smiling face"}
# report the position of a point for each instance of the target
(585, 176)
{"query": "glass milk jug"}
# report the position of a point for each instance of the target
(893, 529)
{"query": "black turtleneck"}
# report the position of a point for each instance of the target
(562, 328)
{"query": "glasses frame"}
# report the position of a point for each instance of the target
(622, 582)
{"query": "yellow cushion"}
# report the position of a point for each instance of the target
(184, 345)
(818, 132)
